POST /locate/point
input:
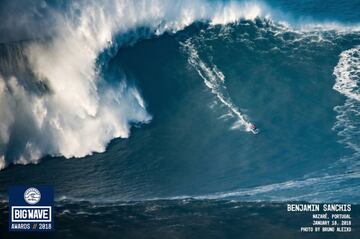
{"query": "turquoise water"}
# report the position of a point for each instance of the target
(202, 87)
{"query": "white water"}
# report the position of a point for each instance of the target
(347, 73)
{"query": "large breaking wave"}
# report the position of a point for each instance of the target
(61, 105)
(53, 98)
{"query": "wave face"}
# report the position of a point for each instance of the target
(198, 75)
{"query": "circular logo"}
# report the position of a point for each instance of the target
(32, 196)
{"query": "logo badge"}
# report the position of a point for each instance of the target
(31, 208)
(32, 196)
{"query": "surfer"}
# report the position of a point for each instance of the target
(254, 129)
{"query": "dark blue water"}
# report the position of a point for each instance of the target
(202, 86)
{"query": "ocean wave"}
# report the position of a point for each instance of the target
(76, 116)
(77, 113)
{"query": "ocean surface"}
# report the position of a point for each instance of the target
(138, 113)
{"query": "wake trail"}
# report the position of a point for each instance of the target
(214, 80)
